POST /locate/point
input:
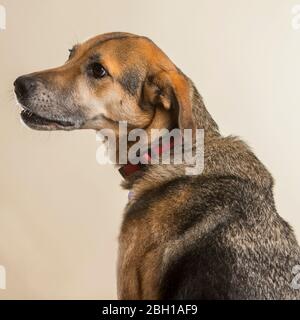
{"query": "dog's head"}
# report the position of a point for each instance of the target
(109, 78)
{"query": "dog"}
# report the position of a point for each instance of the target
(216, 235)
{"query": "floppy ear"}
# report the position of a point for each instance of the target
(171, 90)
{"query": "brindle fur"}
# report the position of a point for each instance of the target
(212, 236)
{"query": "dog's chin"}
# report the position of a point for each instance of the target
(37, 122)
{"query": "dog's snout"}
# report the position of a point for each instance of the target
(24, 86)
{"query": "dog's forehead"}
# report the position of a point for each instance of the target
(108, 36)
(121, 50)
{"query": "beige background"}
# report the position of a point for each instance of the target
(60, 212)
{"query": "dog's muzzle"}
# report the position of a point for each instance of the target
(38, 113)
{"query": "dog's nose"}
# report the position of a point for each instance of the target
(24, 86)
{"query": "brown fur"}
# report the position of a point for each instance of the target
(212, 236)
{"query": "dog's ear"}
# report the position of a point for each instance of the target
(170, 90)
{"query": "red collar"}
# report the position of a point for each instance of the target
(158, 149)
(128, 169)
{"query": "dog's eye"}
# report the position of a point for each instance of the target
(97, 71)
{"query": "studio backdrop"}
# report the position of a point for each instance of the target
(60, 211)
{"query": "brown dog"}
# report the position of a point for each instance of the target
(212, 236)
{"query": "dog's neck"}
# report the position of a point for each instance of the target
(202, 117)
(216, 149)
(143, 177)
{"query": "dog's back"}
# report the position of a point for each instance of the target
(236, 246)
(214, 236)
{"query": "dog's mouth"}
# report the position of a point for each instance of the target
(37, 122)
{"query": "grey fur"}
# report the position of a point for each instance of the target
(227, 241)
